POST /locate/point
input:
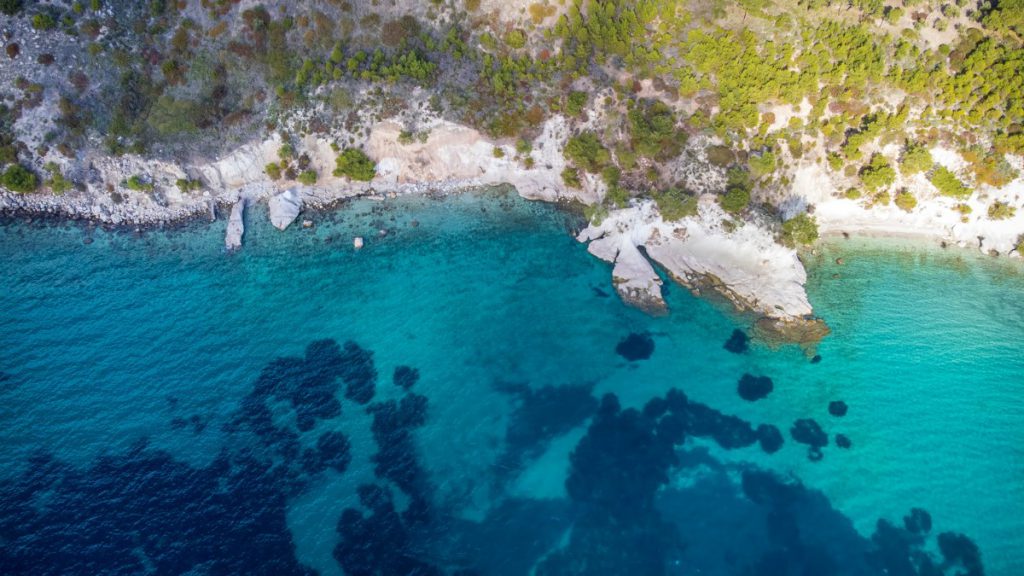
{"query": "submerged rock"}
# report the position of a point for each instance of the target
(770, 438)
(284, 208)
(807, 431)
(405, 377)
(738, 342)
(843, 441)
(752, 388)
(918, 522)
(838, 408)
(635, 347)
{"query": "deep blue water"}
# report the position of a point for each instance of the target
(467, 395)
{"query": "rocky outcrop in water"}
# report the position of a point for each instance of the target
(236, 226)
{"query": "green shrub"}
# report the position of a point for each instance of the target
(617, 196)
(44, 21)
(273, 171)
(852, 193)
(19, 179)
(571, 177)
(801, 229)
(308, 177)
(523, 146)
(11, 7)
(963, 209)
(905, 200)
(138, 184)
(587, 152)
(653, 130)
(575, 102)
(625, 157)
(762, 165)
(498, 152)
(515, 39)
(878, 173)
(948, 184)
(735, 200)
(356, 165)
(675, 204)
(286, 151)
(916, 159)
(835, 162)
(188, 185)
(1001, 211)
(57, 183)
(611, 176)
(595, 213)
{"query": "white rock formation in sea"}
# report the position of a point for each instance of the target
(284, 208)
(746, 264)
(236, 225)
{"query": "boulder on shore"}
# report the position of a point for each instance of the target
(284, 208)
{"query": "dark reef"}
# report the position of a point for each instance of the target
(144, 511)
(405, 377)
(635, 347)
(807, 431)
(752, 388)
(838, 408)
(843, 441)
(738, 342)
(770, 438)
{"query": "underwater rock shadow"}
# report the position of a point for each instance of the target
(539, 416)
(636, 346)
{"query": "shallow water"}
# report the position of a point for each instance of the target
(513, 329)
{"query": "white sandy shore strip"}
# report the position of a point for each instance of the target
(934, 218)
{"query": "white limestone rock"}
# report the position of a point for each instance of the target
(236, 226)
(284, 208)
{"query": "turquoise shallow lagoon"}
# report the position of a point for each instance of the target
(163, 410)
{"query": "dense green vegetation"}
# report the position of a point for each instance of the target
(675, 204)
(855, 77)
(948, 184)
(355, 165)
(878, 174)
(905, 200)
(916, 159)
(17, 178)
(801, 229)
(653, 130)
(586, 151)
(138, 184)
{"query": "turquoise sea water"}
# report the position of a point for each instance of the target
(149, 425)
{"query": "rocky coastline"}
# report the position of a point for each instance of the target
(712, 252)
